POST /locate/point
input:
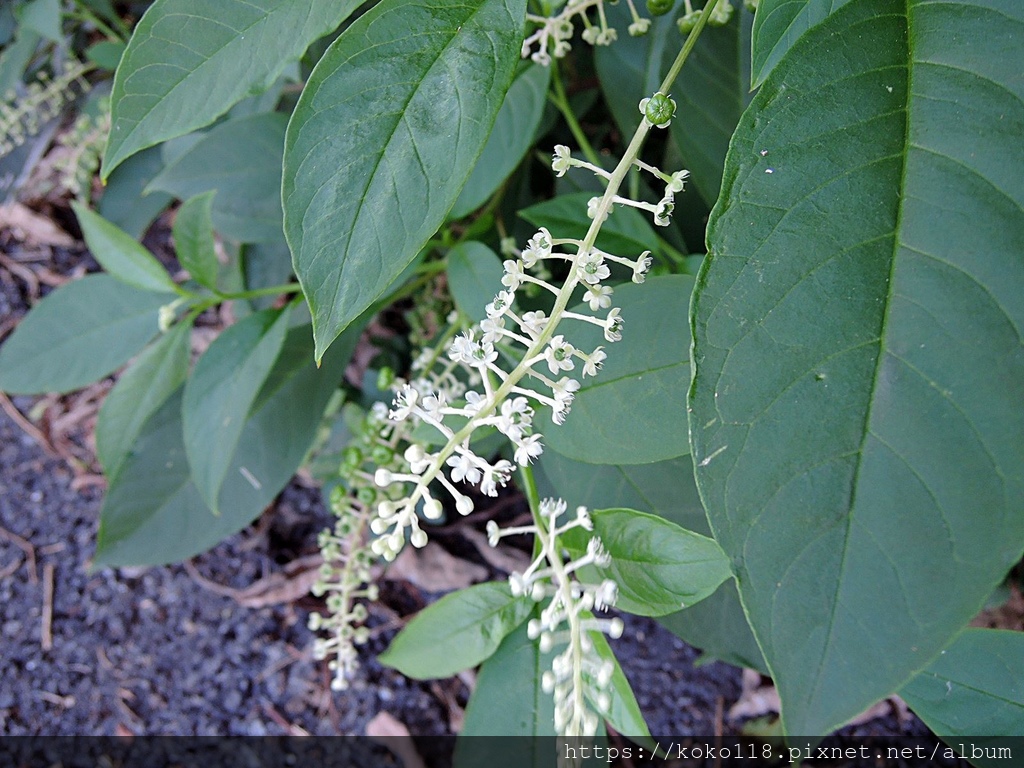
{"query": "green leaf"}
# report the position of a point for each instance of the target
(42, 17)
(623, 714)
(384, 136)
(120, 254)
(778, 25)
(153, 513)
(711, 93)
(140, 391)
(266, 265)
(105, 54)
(658, 566)
(193, 239)
(508, 701)
(717, 625)
(218, 396)
(514, 131)
(474, 278)
(241, 161)
(975, 688)
(855, 412)
(123, 202)
(190, 61)
(457, 632)
(625, 233)
(632, 411)
(78, 334)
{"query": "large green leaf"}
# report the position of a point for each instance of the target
(190, 61)
(711, 93)
(632, 411)
(474, 277)
(220, 393)
(120, 254)
(658, 566)
(241, 161)
(140, 391)
(123, 202)
(975, 688)
(855, 413)
(513, 134)
(457, 632)
(508, 701)
(384, 136)
(78, 334)
(625, 233)
(779, 24)
(717, 624)
(153, 513)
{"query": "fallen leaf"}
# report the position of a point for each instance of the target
(432, 569)
(31, 228)
(389, 732)
(282, 587)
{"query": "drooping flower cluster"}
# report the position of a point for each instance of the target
(23, 114)
(345, 573)
(579, 679)
(553, 34)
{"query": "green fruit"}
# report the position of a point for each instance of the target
(688, 22)
(660, 7)
(659, 109)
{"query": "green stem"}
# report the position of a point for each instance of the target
(530, 491)
(691, 41)
(273, 290)
(561, 101)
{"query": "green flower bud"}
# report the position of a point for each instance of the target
(352, 456)
(659, 110)
(367, 495)
(688, 22)
(660, 7)
(381, 455)
(385, 378)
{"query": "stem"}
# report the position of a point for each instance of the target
(273, 290)
(691, 41)
(530, 490)
(561, 101)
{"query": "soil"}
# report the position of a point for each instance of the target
(171, 651)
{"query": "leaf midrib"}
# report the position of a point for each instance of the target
(879, 361)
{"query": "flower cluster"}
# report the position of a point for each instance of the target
(553, 34)
(345, 573)
(478, 388)
(579, 679)
(23, 114)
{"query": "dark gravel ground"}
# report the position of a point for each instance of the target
(153, 651)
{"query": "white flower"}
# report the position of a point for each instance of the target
(534, 322)
(463, 348)
(541, 57)
(641, 266)
(606, 595)
(639, 27)
(598, 297)
(592, 268)
(501, 302)
(484, 353)
(495, 476)
(592, 205)
(475, 401)
(562, 160)
(564, 392)
(463, 468)
(493, 533)
(663, 213)
(405, 403)
(432, 405)
(608, 36)
(594, 361)
(491, 329)
(538, 247)
(529, 449)
(513, 276)
(558, 355)
(677, 182)
(590, 35)
(613, 326)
